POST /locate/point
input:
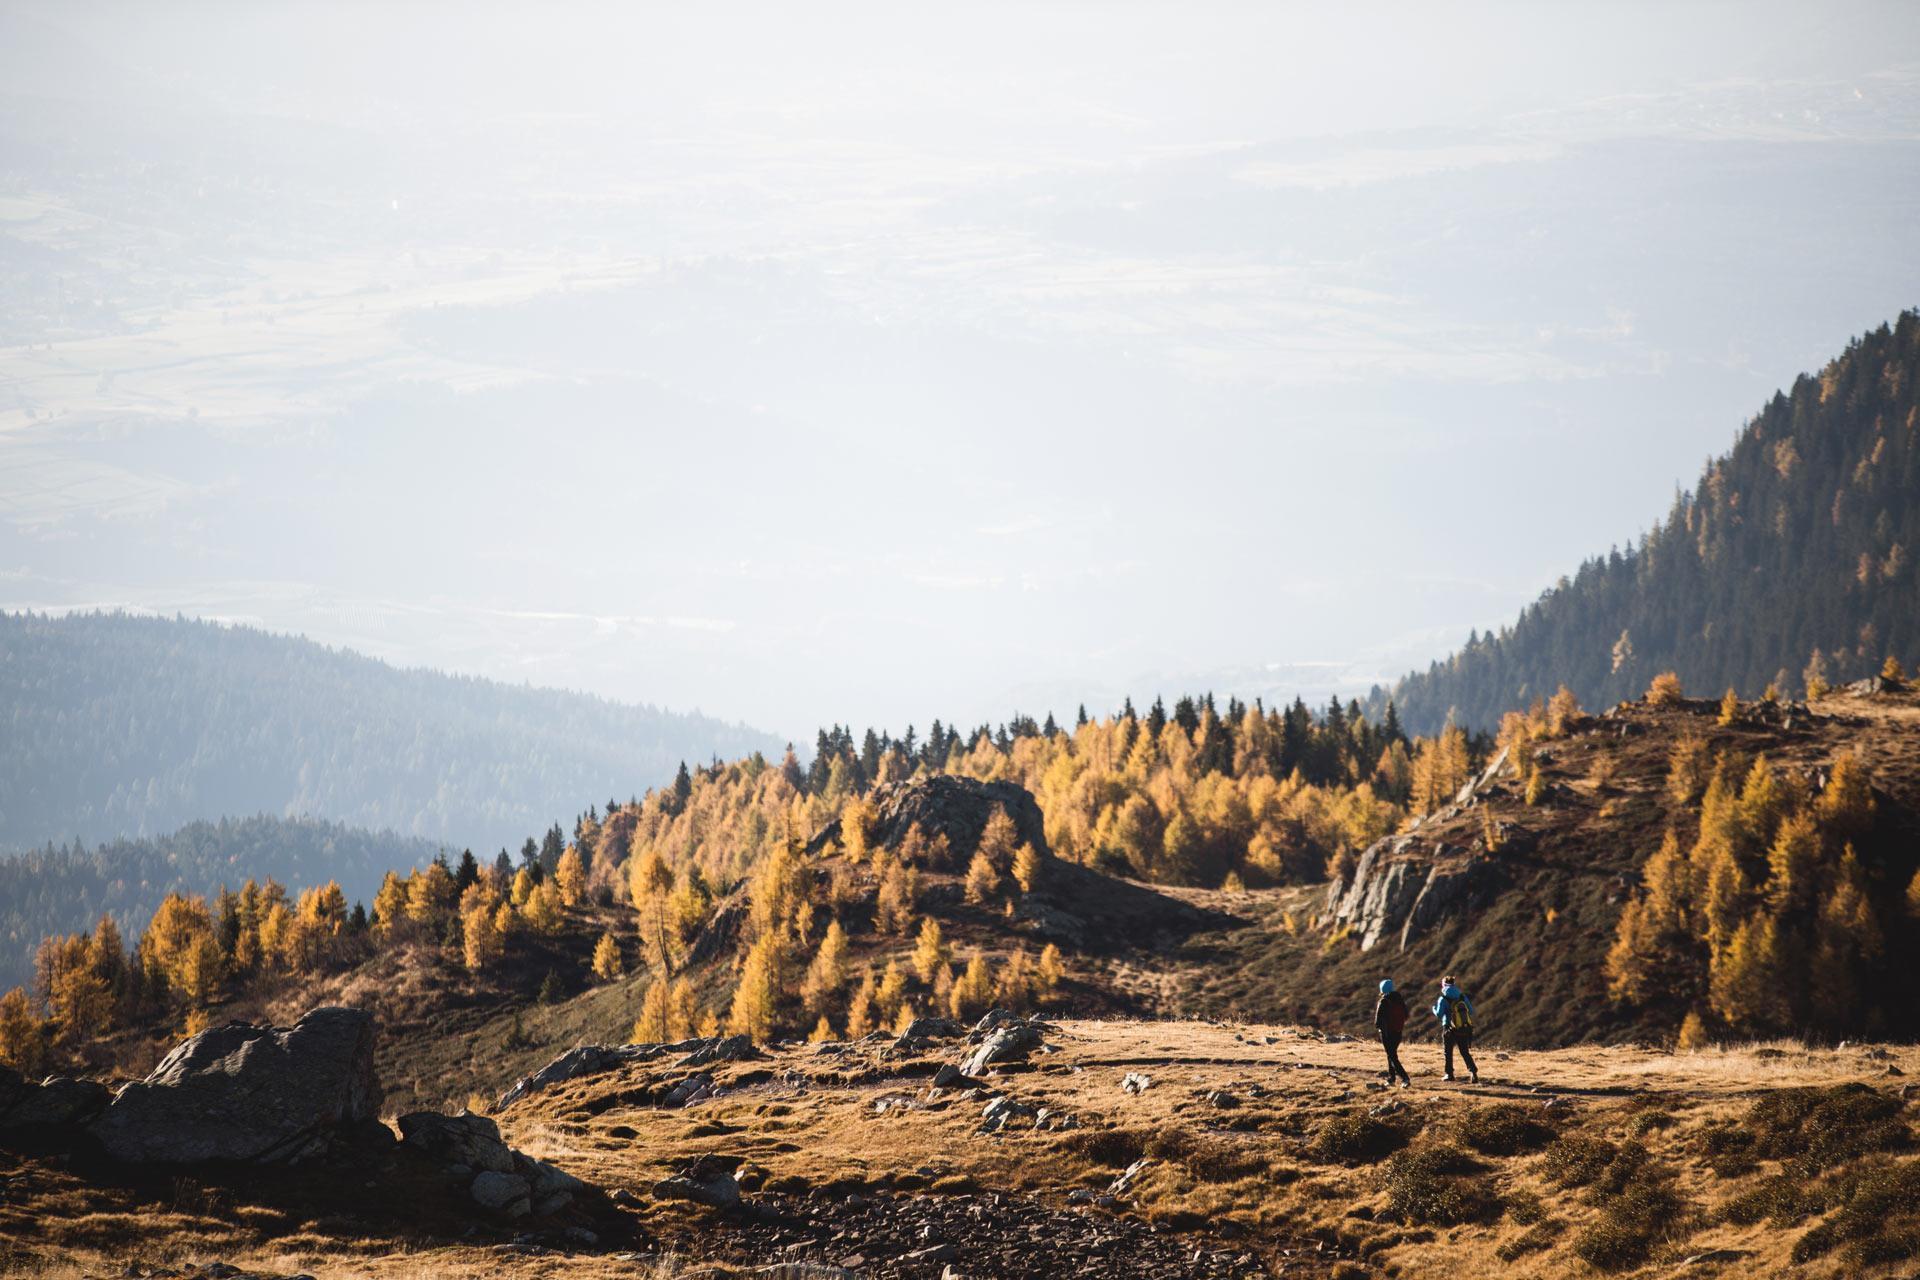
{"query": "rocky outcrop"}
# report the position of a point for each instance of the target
(1403, 886)
(248, 1093)
(1001, 1037)
(954, 807)
(594, 1059)
(1375, 898)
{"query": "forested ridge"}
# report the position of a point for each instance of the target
(116, 725)
(57, 889)
(1791, 560)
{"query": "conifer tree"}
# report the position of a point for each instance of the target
(571, 878)
(983, 878)
(682, 1016)
(898, 896)
(861, 1010)
(827, 974)
(607, 964)
(892, 990)
(1845, 808)
(1028, 868)
(652, 1026)
(974, 990)
(1792, 863)
(1052, 971)
(481, 943)
(1729, 709)
(389, 905)
(23, 1035)
(754, 999)
(930, 953)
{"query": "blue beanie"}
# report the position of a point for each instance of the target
(1386, 985)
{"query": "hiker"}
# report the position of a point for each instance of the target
(1455, 1012)
(1390, 1020)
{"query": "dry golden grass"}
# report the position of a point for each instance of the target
(1624, 1167)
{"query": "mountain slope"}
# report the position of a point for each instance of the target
(1799, 542)
(118, 725)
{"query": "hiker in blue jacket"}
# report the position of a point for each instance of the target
(1455, 1012)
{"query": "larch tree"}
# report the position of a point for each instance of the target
(571, 877)
(23, 1035)
(930, 951)
(653, 1026)
(1028, 868)
(983, 878)
(754, 1000)
(607, 964)
(1052, 970)
(827, 972)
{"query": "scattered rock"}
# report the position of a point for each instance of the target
(1010, 1043)
(1135, 1082)
(929, 1028)
(248, 1093)
(1002, 1111)
(1125, 1182)
(721, 1049)
(689, 1091)
(709, 1180)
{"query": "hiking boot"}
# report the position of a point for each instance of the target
(1475, 1076)
(1447, 1076)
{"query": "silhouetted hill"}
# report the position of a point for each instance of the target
(1798, 543)
(117, 725)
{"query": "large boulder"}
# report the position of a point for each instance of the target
(55, 1103)
(954, 807)
(249, 1093)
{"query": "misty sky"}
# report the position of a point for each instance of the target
(871, 364)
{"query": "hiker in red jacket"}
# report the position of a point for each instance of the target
(1390, 1020)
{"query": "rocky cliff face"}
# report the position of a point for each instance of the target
(1405, 884)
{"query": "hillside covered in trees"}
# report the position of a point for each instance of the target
(113, 725)
(1790, 562)
(58, 889)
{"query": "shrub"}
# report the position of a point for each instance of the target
(1611, 1246)
(1433, 1186)
(1576, 1162)
(1503, 1129)
(1526, 1208)
(1649, 1122)
(1357, 1137)
(1779, 1199)
(1810, 1129)
(1643, 1210)
(1878, 1217)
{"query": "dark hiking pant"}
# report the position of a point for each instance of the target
(1391, 1043)
(1463, 1041)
